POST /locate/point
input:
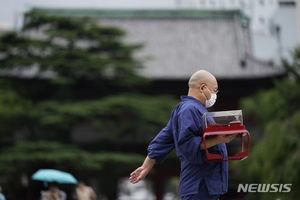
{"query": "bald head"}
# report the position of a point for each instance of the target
(200, 77)
(201, 85)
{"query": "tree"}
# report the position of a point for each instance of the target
(274, 159)
(79, 72)
(293, 67)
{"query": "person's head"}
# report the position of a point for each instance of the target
(53, 186)
(203, 86)
(81, 185)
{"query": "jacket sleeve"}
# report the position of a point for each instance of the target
(189, 140)
(161, 145)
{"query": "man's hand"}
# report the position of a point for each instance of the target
(141, 172)
(226, 138)
(217, 140)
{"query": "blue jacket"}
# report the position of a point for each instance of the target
(183, 132)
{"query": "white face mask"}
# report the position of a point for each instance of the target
(211, 101)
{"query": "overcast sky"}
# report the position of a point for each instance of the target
(11, 11)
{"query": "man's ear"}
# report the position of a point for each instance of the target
(202, 87)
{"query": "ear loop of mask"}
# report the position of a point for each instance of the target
(203, 92)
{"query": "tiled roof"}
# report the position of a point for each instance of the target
(180, 42)
(176, 48)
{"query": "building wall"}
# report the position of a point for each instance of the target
(285, 19)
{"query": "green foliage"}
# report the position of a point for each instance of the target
(30, 156)
(127, 116)
(26, 156)
(13, 110)
(293, 67)
(275, 104)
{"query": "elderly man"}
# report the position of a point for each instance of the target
(198, 179)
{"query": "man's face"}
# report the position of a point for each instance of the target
(211, 86)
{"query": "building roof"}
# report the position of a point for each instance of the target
(180, 42)
(141, 13)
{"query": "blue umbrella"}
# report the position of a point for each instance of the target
(53, 175)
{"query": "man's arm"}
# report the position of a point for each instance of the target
(217, 140)
(141, 172)
(158, 150)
